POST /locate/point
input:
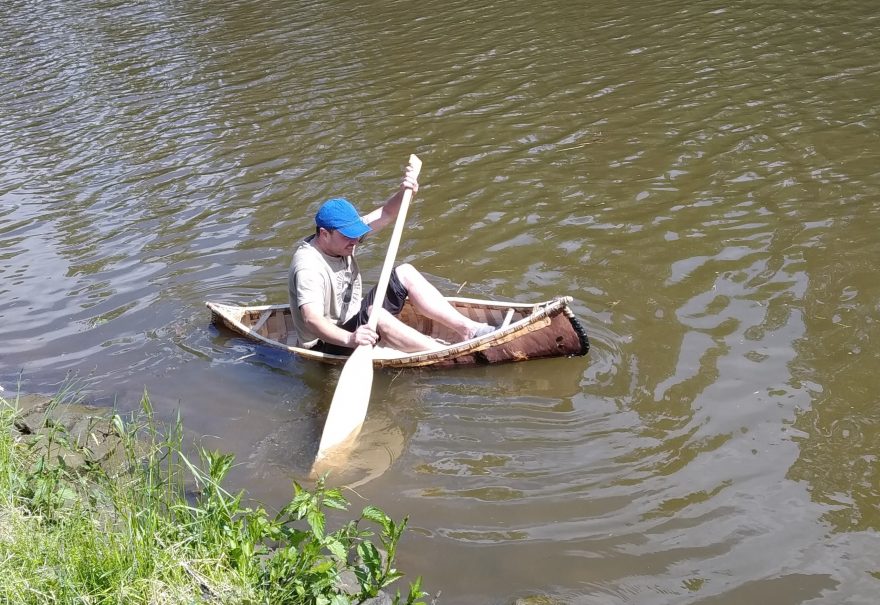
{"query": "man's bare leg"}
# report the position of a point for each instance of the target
(401, 336)
(429, 302)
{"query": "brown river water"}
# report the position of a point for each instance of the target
(702, 177)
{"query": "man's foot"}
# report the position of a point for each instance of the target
(483, 330)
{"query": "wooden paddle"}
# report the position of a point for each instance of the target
(349, 406)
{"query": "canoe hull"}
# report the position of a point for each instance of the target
(528, 331)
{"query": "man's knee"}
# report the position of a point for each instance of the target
(406, 273)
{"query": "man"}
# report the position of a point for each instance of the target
(324, 285)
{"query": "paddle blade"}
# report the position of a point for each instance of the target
(350, 401)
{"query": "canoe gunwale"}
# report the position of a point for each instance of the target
(537, 316)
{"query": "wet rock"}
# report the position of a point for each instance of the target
(348, 582)
(73, 433)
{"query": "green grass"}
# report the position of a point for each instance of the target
(156, 528)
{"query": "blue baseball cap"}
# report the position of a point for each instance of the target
(339, 214)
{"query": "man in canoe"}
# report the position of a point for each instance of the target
(324, 285)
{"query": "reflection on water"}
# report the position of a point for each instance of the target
(702, 179)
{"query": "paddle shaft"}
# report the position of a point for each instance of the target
(393, 245)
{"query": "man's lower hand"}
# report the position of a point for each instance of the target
(364, 335)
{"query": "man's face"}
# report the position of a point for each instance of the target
(335, 244)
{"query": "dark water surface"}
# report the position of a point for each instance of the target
(703, 178)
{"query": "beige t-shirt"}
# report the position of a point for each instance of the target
(315, 277)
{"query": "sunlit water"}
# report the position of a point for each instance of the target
(702, 178)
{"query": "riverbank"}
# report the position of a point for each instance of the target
(96, 508)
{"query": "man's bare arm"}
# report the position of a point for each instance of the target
(387, 213)
(329, 332)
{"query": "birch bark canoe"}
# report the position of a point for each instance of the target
(526, 331)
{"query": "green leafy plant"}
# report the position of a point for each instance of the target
(156, 527)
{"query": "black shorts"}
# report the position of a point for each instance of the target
(395, 296)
